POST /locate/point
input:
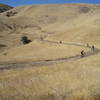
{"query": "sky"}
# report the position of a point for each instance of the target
(30, 2)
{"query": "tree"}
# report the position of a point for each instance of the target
(25, 40)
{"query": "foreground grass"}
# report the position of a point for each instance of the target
(73, 80)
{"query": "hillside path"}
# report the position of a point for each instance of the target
(51, 61)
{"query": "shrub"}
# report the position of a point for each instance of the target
(10, 13)
(84, 9)
(25, 40)
(3, 45)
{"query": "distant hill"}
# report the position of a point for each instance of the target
(67, 22)
(4, 7)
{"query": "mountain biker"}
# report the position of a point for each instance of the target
(82, 53)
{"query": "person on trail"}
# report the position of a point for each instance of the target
(41, 38)
(82, 53)
(92, 48)
(60, 42)
(87, 45)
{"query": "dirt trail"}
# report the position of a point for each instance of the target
(63, 43)
(50, 61)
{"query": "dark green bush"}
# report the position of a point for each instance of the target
(25, 40)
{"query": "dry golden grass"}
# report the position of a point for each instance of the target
(71, 80)
(40, 50)
(74, 79)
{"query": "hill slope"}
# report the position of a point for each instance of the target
(69, 22)
(50, 67)
(4, 7)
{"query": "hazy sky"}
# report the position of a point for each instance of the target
(26, 2)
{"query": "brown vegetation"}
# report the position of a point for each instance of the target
(38, 70)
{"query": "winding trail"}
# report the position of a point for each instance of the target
(50, 61)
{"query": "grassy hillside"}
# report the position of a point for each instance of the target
(50, 67)
(77, 23)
